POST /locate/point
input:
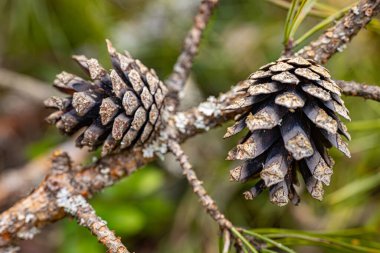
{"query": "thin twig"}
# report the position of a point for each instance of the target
(351, 88)
(182, 67)
(78, 207)
(207, 202)
(337, 37)
(61, 184)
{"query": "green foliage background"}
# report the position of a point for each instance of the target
(154, 210)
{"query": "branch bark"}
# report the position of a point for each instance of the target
(182, 67)
(351, 88)
(336, 38)
(206, 200)
(85, 215)
(15, 182)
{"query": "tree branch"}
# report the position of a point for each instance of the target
(206, 201)
(336, 38)
(351, 88)
(15, 182)
(182, 67)
(85, 215)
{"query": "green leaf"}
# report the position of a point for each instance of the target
(296, 14)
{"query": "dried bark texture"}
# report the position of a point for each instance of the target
(336, 38)
(350, 88)
(206, 201)
(61, 185)
(85, 215)
(182, 67)
(15, 182)
(27, 216)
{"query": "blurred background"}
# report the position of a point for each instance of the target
(154, 210)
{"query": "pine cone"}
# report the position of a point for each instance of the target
(292, 121)
(119, 109)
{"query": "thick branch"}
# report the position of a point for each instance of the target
(15, 182)
(336, 38)
(360, 90)
(182, 67)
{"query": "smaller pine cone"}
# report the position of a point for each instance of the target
(292, 121)
(118, 109)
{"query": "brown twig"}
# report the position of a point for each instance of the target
(182, 67)
(351, 88)
(78, 207)
(206, 201)
(65, 193)
(336, 38)
(17, 181)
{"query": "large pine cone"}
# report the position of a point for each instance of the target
(292, 122)
(119, 109)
